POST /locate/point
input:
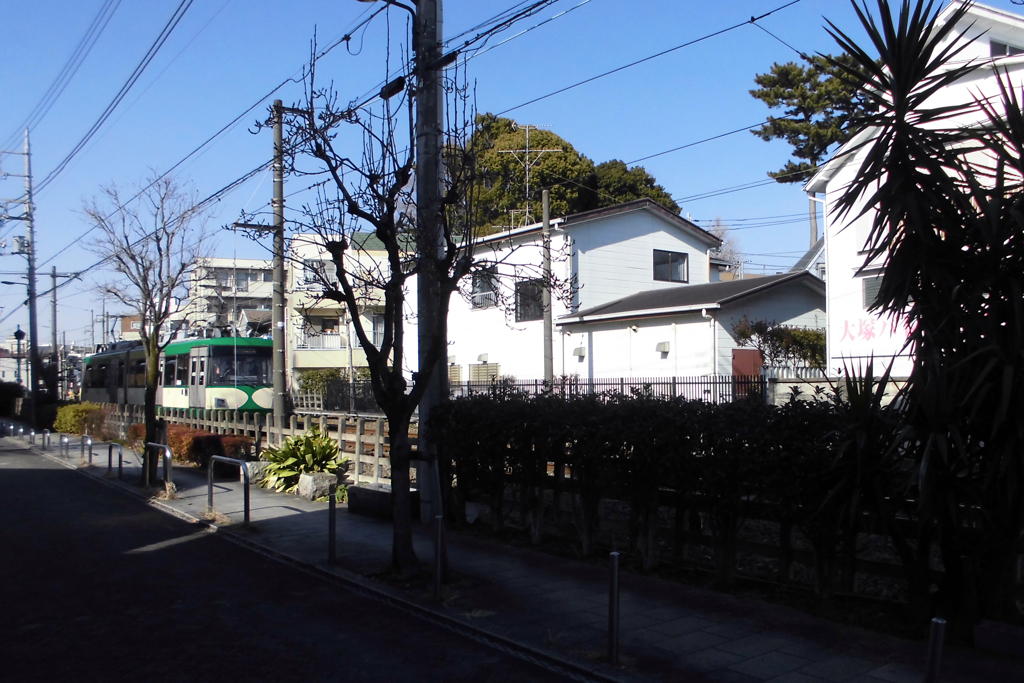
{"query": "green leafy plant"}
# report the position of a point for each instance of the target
(305, 454)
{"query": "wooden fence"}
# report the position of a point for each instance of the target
(364, 440)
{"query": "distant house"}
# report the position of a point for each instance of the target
(686, 331)
(855, 334)
(219, 289)
(608, 254)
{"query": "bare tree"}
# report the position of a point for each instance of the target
(365, 217)
(729, 250)
(152, 243)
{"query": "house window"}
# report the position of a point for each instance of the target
(484, 372)
(268, 276)
(528, 301)
(136, 324)
(223, 278)
(869, 289)
(378, 330)
(670, 266)
(1003, 50)
(484, 287)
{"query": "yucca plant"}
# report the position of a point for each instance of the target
(305, 454)
(944, 183)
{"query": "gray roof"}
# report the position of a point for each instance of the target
(670, 299)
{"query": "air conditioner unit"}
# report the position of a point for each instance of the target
(580, 352)
(482, 358)
(662, 347)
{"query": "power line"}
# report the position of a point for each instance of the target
(752, 20)
(136, 74)
(70, 68)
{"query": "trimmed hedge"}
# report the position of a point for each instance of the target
(79, 418)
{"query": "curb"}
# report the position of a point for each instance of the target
(355, 583)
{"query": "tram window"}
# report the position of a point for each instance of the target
(181, 378)
(202, 371)
(192, 379)
(168, 373)
(137, 376)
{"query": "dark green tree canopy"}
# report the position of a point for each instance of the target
(617, 184)
(821, 106)
(575, 184)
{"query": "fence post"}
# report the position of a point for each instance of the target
(332, 506)
(378, 449)
(360, 427)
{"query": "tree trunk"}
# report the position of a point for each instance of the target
(404, 562)
(149, 410)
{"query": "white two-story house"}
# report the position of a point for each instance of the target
(644, 299)
(855, 334)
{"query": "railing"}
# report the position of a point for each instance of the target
(209, 481)
(711, 388)
(328, 341)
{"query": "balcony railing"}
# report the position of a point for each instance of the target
(321, 341)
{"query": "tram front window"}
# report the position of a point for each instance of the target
(248, 366)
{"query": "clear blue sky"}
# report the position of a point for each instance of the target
(225, 55)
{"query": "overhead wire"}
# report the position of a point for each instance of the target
(169, 27)
(752, 20)
(67, 72)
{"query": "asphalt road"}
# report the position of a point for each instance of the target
(100, 587)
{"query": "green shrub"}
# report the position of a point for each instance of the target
(79, 418)
(315, 381)
(306, 454)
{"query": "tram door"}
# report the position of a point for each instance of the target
(197, 361)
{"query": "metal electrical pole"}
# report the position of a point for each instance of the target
(54, 383)
(430, 241)
(545, 297)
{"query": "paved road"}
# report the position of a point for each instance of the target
(97, 586)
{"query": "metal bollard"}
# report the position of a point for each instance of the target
(120, 459)
(935, 640)
(21, 432)
(209, 480)
(168, 468)
(46, 439)
(86, 440)
(438, 557)
(32, 436)
(65, 446)
(332, 508)
(613, 611)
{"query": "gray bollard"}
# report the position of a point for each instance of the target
(32, 436)
(120, 460)
(332, 508)
(46, 439)
(65, 446)
(613, 610)
(86, 441)
(935, 641)
(438, 557)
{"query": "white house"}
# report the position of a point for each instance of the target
(219, 289)
(686, 331)
(607, 254)
(854, 334)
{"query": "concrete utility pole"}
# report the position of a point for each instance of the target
(277, 300)
(812, 202)
(430, 241)
(277, 304)
(545, 297)
(55, 357)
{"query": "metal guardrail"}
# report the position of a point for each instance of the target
(65, 445)
(120, 459)
(168, 482)
(86, 441)
(209, 480)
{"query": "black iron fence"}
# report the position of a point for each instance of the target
(711, 388)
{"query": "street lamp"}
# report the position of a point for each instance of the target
(19, 335)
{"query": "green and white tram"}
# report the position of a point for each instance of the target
(229, 373)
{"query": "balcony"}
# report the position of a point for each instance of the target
(320, 341)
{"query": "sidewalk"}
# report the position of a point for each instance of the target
(556, 608)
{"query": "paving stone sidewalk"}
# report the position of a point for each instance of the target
(557, 606)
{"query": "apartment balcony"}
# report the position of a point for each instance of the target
(321, 341)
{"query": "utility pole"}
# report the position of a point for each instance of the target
(92, 330)
(28, 249)
(277, 301)
(277, 304)
(549, 361)
(430, 243)
(55, 358)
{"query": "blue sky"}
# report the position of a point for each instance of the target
(225, 55)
